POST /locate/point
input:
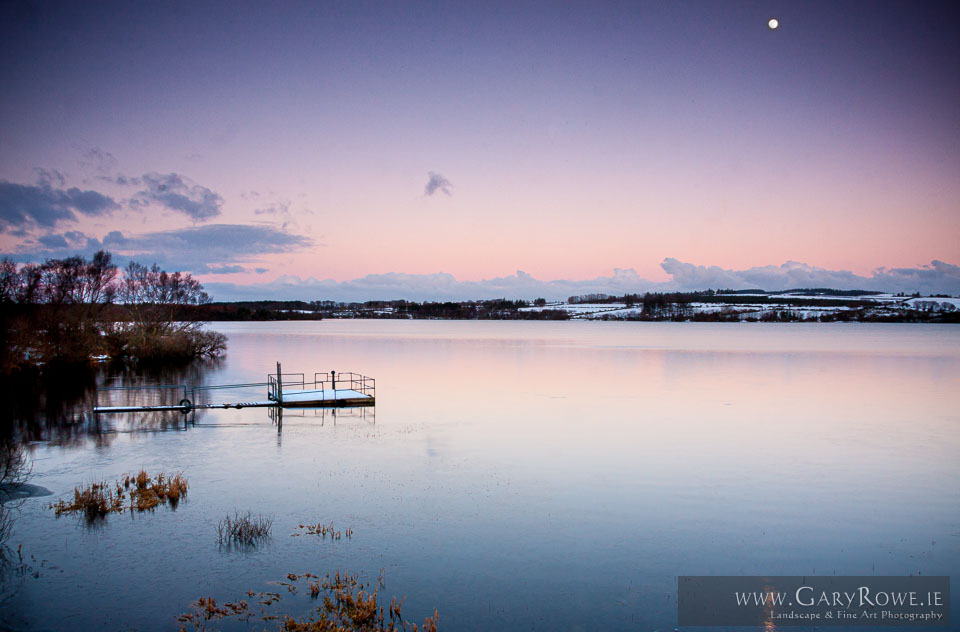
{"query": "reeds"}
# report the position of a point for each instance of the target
(147, 492)
(96, 500)
(244, 529)
(348, 605)
(323, 530)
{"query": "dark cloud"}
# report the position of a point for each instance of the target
(437, 182)
(72, 239)
(46, 205)
(175, 192)
(53, 241)
(221, 239)
(212, 249)
(231, 269)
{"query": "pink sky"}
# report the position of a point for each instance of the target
(595, 140)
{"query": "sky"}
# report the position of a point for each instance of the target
(431, 150)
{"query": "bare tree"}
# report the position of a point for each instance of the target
(154, 301)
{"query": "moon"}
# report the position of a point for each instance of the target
(773, 23)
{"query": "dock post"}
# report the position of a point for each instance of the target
(279, 385)
(333, 382)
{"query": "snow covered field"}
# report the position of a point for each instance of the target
(885, 304)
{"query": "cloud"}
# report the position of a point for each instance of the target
(103, 162)
(936, 277)
(277, 208)
(233, 269)
(209, 249)
(53, 241)
(430, 287)
(435, 183)
(50, 177)
(204, 248)
(175, 192)
(46, 205)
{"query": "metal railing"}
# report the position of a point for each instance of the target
(187, 396)
(333, 380)
(346, 379)
(144, 394)
(274, 386)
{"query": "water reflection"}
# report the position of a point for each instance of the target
(549, 476)
(44, 408)
(14, 473)
(58, 410)
(320, 416)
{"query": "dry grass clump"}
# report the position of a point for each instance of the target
(323, 530)
(206, 609)
(349, 605)
(244, 529)
(96, 500)
(147, 492)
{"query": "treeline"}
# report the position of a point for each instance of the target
(650, 306)
(808, 291)
(253, 310)
(64, 312)
(494, 309)
(864, 315)
(191, 314)
(659, 302)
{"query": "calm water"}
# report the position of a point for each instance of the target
(549, 476)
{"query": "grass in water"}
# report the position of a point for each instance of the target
(244, 529)
(348, 605)
(145, 492)
(95, 500)
(322, 530)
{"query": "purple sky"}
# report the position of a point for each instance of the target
(349, 150)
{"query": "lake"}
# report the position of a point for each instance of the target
(519, 475)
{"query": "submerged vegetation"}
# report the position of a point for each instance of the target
(323, 530)
(243, 529)
(348, 605)
(65, 312)
(144, 492)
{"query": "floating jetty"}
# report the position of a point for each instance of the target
(284, 390)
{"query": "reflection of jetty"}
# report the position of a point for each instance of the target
(284, 390)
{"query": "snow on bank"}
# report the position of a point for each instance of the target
(934, 304)
(882, 304)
